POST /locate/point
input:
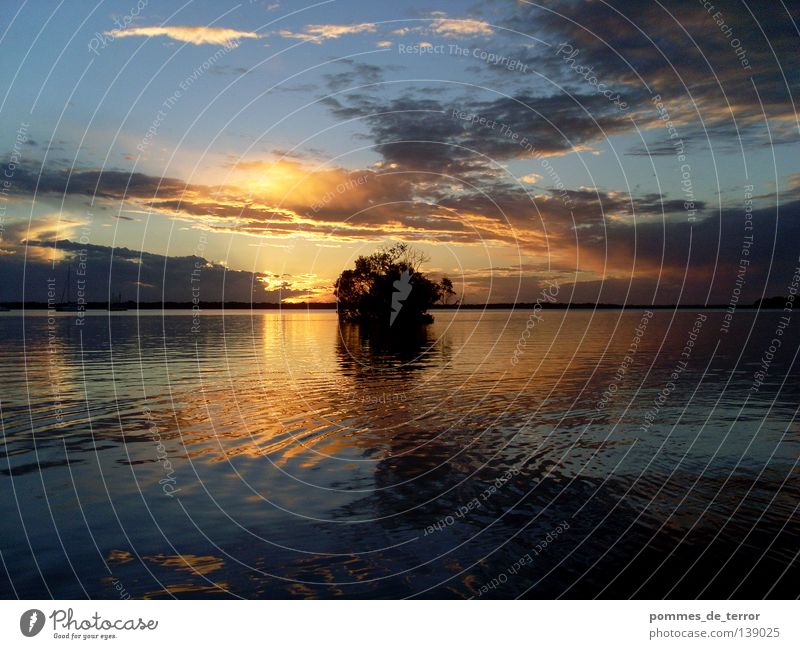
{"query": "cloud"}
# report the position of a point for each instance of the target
(452, 27)
(141, 275)
(306, 287)
(276, 198)
(96, 183)
(357, 74)
(321, 33)
(713, 91)
(290, 197)
(448, 27)
(460, 133)
(587, 234)
(194, 34)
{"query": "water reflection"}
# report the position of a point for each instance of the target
(311, 459)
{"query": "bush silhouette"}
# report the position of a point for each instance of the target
(386, 289)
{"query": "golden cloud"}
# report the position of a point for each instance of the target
(320, 33)
(531, 179)
(461, 27)
(194, 34)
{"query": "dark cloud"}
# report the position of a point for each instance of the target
(695, 262)
(225, 70)
(356, 74)
(681, 51)
(108, 183)
(586, 232)
(136, 275)
(461, 135)
(657, 149)
(676, 49)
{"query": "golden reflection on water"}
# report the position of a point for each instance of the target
(300, 391)
(279, 427)
(168, 565)
(200, 565)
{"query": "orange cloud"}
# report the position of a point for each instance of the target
(461, 27)
(196, 35)
(320, 33)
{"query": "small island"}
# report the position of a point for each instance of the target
(387, 290)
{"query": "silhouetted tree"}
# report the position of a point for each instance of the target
(386, 288)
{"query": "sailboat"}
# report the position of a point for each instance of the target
(67, 305)
(117, 304)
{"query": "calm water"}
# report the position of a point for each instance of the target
(277, 455)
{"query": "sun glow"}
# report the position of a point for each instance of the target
(287, 182)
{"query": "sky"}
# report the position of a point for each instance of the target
(624, 152)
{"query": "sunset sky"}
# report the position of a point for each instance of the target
(273, 142)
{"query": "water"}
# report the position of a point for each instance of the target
(276, 454)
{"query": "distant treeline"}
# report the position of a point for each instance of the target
(765, 303)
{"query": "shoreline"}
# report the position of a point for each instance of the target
(96, 309)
